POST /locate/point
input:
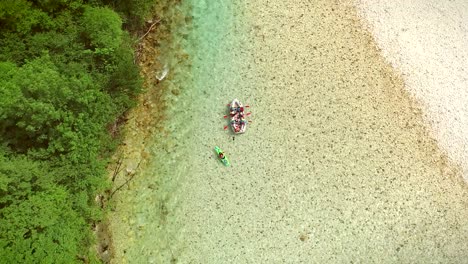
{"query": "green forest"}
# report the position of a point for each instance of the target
(67, 74)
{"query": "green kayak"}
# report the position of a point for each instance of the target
(224, 159)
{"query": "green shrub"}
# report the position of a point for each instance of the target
(102, 28)
(133, 11)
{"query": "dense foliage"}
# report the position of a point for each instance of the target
(66, 73)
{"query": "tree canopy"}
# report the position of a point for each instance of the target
(66, 73)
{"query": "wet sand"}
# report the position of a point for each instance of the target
(337, 165)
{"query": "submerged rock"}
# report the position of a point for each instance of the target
(163, 73)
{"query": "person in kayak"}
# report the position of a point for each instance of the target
(221, 155)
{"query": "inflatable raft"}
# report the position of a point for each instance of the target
(238, 121)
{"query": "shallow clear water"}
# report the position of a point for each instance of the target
(151, 229)
(336, 165)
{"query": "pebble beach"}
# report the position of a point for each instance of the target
(339, 164)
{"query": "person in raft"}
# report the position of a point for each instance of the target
(236, 125)
(233, 111)
(237, 111)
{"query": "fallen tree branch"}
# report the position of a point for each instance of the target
(140, 44)
(117, 169)
(151, 27)
(132, 175)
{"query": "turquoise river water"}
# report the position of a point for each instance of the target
(336, 165)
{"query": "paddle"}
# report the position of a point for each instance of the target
(245, 106)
